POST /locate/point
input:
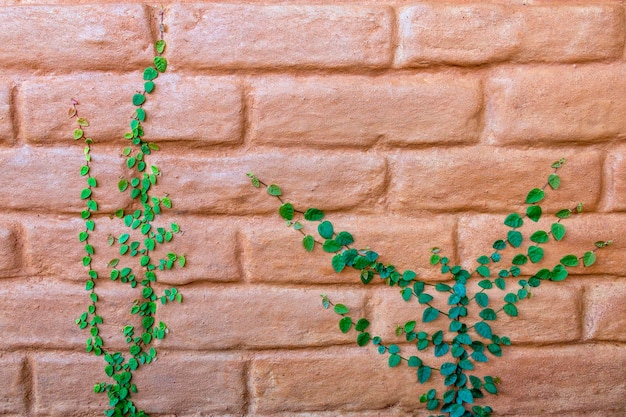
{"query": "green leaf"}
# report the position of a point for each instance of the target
(513, 220)
(414, 362)
(361, 325)
(85, 193)
(394, 360)
(540, 236)
(569, 260)
(534, 196)
(534, 213)
(160, 46)
(559, 273)
(308, 243)
(514, 238)
(483, 271)
(286, 211)
(325, 229)
(559, 163)
(331, 246)
(78, 133)
(488, 314)
(344, 238)
(274, 190)
(138, 99)
(338, 263)
(423, 374)
(160, 63)
(148, 87)
(563, 214)
(84, 170)
(482, 299)
(589, 258)
(150, 74)
(558, 231)
(141, 116)
(535, 254)
(430, 314)
(483, 329)
(345, 324)
(447, 368)
(510, 309)
(554, 181)
(519, 259)
(363, 339)
(341, 309)
(313, 214)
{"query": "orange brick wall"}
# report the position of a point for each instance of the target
(413, 124)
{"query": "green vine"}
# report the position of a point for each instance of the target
(470, 342)
(137, 265)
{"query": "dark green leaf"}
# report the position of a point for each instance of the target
(483, 329)
(488, 314)
(569, 260)
(361, 325)
(482, 299)
(423, 374)
(150, 74)
(363, 339)
(430, 314)
(344, 238)
(139, 99)
(535, 254)
(286, 211)
(540, 236)
(519, 259)
(325, 229)
(514, 238)
(313, 214)
(534, 213)
(415, 362)
(345, 324)
(513, 220)
(510, 309)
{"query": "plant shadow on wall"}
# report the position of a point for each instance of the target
(138, 248)
(464, 342)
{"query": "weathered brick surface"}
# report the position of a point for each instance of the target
(66, 38)
(477, 234)
(605, 312)
(616, 187)
(11, 247)
(362, 111)
(267, 242)
(13, 393)
(346, 380)
(256, 317)
(6, 119)
(201, 383)
(559, 379)
(476, 33)
(249, 35)
(552, 315)
(489, 179)
(220, 186)
(105, 100)
(548, 104)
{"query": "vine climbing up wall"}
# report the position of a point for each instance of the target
(411, 124)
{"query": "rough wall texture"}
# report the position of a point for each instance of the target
(412, 123)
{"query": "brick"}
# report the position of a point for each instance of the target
(605, 311)
(616, 180)
(260, 36)
(189, 390)
(218, 185)
(256, 317)
(477, 234)
(548, 104)
(490, 179)
(14, 386)
(6, 120)
(76, 37)
(196, 109)
(471, 34)
(11, 247)
(558, 379)
(552, 315)
(29, 171)
(362, 111)
(332, 380)
(266, 241)
(31, 308)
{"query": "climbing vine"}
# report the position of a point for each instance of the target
(137, 265)
(463, 342)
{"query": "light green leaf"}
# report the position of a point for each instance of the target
(160, 46)
(513, 220)
(540, 236)
(534, 196)
(569, 260)
(325, 229)
(554, 181)
(274, 190)
(331, 246)
(286, 211)
(308, 243)
(148, 87)
(589, 258)
(150, 74)
(341, 309)
(558, 231)
(160, 63)
(338, 263)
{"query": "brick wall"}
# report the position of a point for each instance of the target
(413, 124)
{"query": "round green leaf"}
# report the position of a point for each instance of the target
(313, 214)
(326, 230)
(554, 181)
(274, 190)
(148, 87)
(344, 238)
(535, 254)
(363, 339)
(589, 258)
(150, 74)
(519, 259)
(482, 299)
(394, 360)
(514, 238)
(510, 309)
(540, 236)
(345, 324)
(534, 196)
(286, 211)
(331, 246)
(341, 309)
(569, 260)
(430, 314)
(559, 273)
(513, 220)
(483, 329)
(558, 231)
(338, 263)
(160, 63)
(308, 242)
(139, 99)
(534, 213)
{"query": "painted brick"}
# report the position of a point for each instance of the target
(200, 383)
(552, 315)
(75, 37)
(11, 248)
(31, 172)
(14, 385)
(605, 311)
(262, 36)
(528, 380)
(362, 111)
(549, 104)
(197, 109)
(336, 380)
(218, 185)
(256, 317)
(490, 179)
(6, 120)
(265, 243)
(32, 307)
(477, 234)
(470, 34)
